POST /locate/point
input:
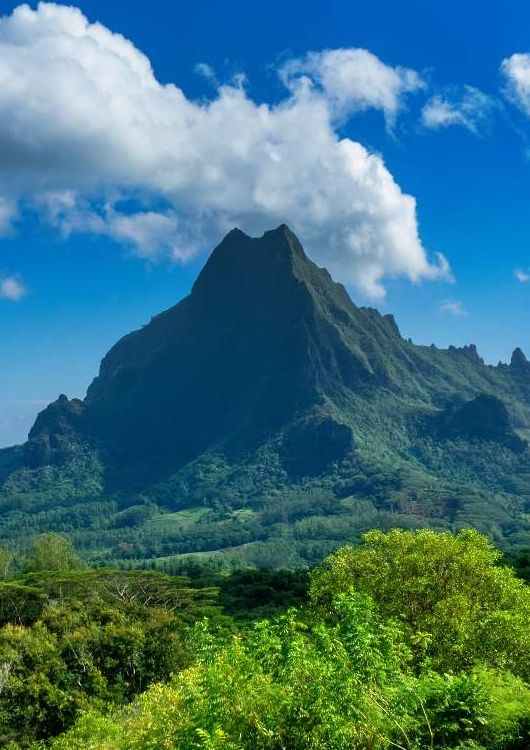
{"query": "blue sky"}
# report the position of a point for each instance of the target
(77, 275)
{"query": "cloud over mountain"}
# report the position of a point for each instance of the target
(85, 127)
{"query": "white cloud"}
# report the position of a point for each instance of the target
(522, 275)
(471, 109)
(352, 80)
(516, 72)
(453, 307)
(149, 233)
(206, 71)
(12, 288)
(84, 125)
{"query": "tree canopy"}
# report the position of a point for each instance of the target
(410, 640)
(458, 607)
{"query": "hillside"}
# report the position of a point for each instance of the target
(267, 418)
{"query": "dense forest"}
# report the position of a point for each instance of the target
(257, 515)
(410, 639)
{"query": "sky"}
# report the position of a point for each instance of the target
(394, 138)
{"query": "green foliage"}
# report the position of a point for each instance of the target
(77, 656)
(74, 638)
(8, 564)
(360, 667)
(290, 684)
(457, 605)
(253, 594)
(20, 603)
(520, 562)
(52, 552)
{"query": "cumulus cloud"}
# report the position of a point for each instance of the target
(352, 80)
(453, 307)
(522, 275)
(470, 109)
(85, 126)
(516, 72)
(12, 288)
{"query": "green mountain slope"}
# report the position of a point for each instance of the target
(267, 417)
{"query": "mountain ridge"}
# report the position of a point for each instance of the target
(268, 380)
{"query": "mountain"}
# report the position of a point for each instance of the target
(268, 416)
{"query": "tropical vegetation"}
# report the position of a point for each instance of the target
(412, 639)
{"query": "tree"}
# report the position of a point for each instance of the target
(8, 562)
(458, 607)
(53, 552)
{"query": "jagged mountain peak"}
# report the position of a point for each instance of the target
(518, 359)
(257, 342)
(266, 378)
(257, 263)
(265, 342)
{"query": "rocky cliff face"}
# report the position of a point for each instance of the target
(56, 433)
